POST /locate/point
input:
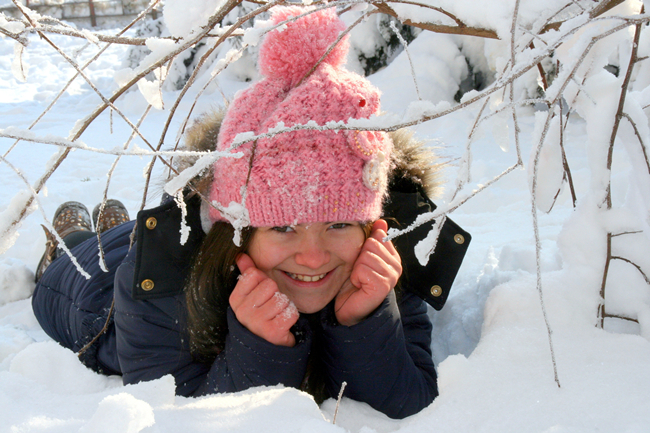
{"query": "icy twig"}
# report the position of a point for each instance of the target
(466, 163)
(534, 204)
(408, 55)
(26, 135)
(17, 37)
(513, 62)
(538, 244)
(443, 211)
(338, 401)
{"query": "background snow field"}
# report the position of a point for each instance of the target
(490, 342)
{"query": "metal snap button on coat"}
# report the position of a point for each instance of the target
(459, 239)
(151, 223)
(147, 285)
(436, 291)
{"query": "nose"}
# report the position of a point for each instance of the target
(312, 253)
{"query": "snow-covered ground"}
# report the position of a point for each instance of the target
(490, 341)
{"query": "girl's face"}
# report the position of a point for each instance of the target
(308, 262)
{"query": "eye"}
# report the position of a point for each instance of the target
(282, 229)
(340, 225)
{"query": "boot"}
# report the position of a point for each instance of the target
(114, 214)
(70, 217)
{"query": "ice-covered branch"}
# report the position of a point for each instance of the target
(29, 136)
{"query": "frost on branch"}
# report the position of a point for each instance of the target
(18, 66)
(550, 170)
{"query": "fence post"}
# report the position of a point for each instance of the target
(93, 20)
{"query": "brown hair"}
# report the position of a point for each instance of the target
(212, 278)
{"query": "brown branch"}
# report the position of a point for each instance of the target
(612, 139)
(621, 104)
(435, 8)
(565, 162)
(638, 136)
(463, 29)
(439, 28)
(603, 284)
(626, 233)
(638, 268)
(616, 316)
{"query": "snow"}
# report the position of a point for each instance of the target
(490, 342)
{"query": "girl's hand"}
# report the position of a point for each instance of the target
(260, 307)
(374, 275)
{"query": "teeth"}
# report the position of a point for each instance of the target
(307, 278)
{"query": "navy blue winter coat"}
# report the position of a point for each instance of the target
(385, 360)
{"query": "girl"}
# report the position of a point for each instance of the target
(272, 269)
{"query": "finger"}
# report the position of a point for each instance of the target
(370, 281)
(287, 314)
(379, 232)
(376, 255)
(380, 224)
(246, 283)
(244, 262)
(260, 300)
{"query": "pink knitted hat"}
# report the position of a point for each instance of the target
(308, 175)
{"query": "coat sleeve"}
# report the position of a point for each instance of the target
(152, 342)
(386, 359)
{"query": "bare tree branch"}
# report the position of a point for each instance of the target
(612, 139)
(638, 268)
(638, 136)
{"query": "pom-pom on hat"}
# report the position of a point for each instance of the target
(307, 175)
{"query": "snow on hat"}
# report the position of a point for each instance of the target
(308, 175)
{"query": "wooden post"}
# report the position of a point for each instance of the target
(93, 19)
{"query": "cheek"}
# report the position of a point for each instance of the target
(351, 248)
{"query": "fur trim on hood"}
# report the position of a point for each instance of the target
(411, 159)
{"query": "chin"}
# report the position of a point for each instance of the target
(310, 309)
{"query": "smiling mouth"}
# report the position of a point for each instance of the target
(307, 278)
